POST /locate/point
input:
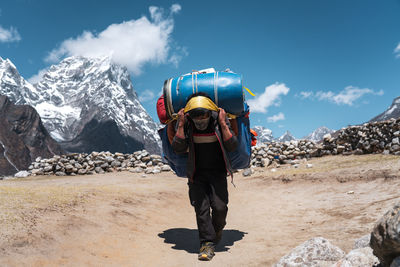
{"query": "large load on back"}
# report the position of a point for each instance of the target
(226, 90)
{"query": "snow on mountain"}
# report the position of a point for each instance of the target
(286, 137)
(264, 134)
(83, 91)
(318, 134)
(392, 112)
(15, 87)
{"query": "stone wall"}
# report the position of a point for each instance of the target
(376, 137)
(98, 162)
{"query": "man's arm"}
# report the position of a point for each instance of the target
(230, 140)
(180, 143)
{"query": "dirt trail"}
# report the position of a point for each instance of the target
(124, 219)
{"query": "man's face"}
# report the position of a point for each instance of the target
(201, 122)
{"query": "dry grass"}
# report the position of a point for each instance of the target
(21, 204)
(19, 197)
(25, 202)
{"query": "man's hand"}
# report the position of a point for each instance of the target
(226, 134)
(222, 117)
(182, 118)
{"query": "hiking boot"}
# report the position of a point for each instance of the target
(218, 236)
(206, 251)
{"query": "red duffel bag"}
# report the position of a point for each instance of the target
(161, 112)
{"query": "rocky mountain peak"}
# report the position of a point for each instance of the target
(392, 112)
(264, 134)
(287, 136)
(14, 86)
(82, 91)
(318, 134)
(76, 75)
(5, 64)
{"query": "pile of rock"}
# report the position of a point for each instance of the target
(283, 153)
(98, 162)
(374, 137)
(380, 248)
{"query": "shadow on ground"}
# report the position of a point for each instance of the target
(188, 239)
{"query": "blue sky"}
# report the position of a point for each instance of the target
(310, 63)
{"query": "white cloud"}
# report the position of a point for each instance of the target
(131, 43)
(397, 50)
(270, 97)
(348, 96)
(278, 117)
(9, 35)
(146, 96)
(175, 8)
(305, 94)
(37, 77)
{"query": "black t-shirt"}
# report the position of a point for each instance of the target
(208, 152)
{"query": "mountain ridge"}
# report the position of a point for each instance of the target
(79, 90)
(393, 111)
(23, 137)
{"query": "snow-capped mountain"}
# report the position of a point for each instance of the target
(86, 101)
(19, 91)
(264, 134)
(318, 134)
(286, 137)
(392, 112)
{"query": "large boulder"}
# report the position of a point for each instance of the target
(360, 257)
(362, 242)
(385, 237)
(314, 252)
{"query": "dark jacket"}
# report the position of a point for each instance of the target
(181, 146)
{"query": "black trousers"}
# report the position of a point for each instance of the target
(209, 191)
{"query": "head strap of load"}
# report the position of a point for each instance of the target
(203, 102)
(200, 102)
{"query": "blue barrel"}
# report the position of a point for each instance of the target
(224, 88)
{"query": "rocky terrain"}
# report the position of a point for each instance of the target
(137, 219)
(379, 248)
(22, 137)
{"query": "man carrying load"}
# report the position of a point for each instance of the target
(204, 131)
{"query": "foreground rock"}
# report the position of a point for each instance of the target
(360, 257)
(385, 237)
(314, 252)
(98, 162)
